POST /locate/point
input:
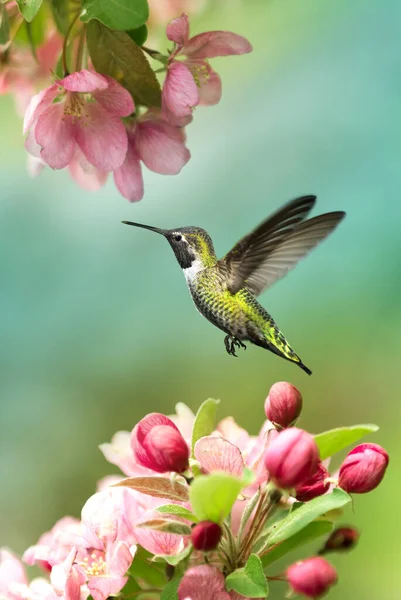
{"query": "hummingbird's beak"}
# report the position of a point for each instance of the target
(156, 229)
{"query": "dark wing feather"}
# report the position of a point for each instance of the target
(248, 254)
(287, 254)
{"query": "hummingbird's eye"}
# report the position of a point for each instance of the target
(178, 238)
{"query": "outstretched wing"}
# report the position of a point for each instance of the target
(286, 255)
(252, 250)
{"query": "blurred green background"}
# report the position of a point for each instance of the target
(97, 327)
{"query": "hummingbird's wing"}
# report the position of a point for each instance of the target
(253, 249)
(286, 255)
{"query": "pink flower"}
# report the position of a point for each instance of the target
(314, 486)
(283, 405)
(118, 452)
(156, 143)
(341, 539)
(158, 542)
(292, 458)
(158, 445)
(12, 574)
(217, 454)
(82, 110)
(363, 469)
(54, 545)
(206, 535)
(311, 577)
(192, 81)
(203, 583)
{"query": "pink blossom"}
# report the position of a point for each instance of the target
(158, 542)
(363, 468)
(311, 577)
(192, 81)
(217, 454)
(54, 545)
(314, 486)
(156, 143)
(158, 445)
(203, 583)
(62, 117)
(12, 574)
(206, 535)
(118, 452)
(283, 405)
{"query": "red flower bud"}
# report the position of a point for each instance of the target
(283, 405)
(311, 577)
(292, 458)
(343, 538)
(206, 535)
(158, 445)
(363, 469)
(314, 486)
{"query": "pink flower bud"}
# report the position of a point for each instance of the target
(363, 469)
(292, 458)
(206, 535)
(316, 485)
(158, 445)
(311, 577)
(343, 538)
(283, 405)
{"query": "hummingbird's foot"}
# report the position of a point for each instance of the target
(232, 343)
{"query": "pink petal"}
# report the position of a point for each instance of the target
(49, 52)
(128, 178)
(84, 81)
(159, 543)
(118, 451)
(173, 119)
(86, 175)
(72, 590)
(38, 104)
(120, 559)
(210, 89)
(11, 570)
(54, 132)
(202, 583)
(31, 144)
(217, 454)
(178, 30)
(34, 166)
(180, 92)
(216, 43)
(159, 148)
(102, 587)
(232, 432)
(115, 99)
(102, 137)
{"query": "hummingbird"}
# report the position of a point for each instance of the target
(225, 290)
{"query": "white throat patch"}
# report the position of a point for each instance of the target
(192, 271)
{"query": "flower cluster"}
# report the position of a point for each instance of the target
(105, 110)
(203, 512)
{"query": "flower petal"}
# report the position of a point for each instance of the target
(178, 30)
(86, 175)
(210, 89)
(128, 178)
(55, 133)
(216, 43)
(217, 454)
(38, 104)
(121, 558)
(102, 587)
(115, 99)
(84, 81)
(160, 148)
(202, 583)
(180, 92)
(102, 137)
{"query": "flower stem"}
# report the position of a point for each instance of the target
(80, 51)
(155, 54)
(67, 35)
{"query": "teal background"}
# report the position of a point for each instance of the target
(97, 327)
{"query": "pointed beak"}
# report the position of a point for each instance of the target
(155, 229)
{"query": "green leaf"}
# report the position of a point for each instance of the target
(176, 558)
(4, 25)
(178, 511)
(159, 487)
(204, 420)
(114, 53)
(170, 591)
(312, 531)
(212, 496)
(167, 526)
(117, 14)
(144, 568)
(33, 33)
(29, 8)
(139, 35)
(331, 442)
(63, 13)
(307, 512)
(249, 581)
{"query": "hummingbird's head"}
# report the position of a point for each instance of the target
(192, 246)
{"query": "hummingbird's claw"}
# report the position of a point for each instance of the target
(232, 343)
